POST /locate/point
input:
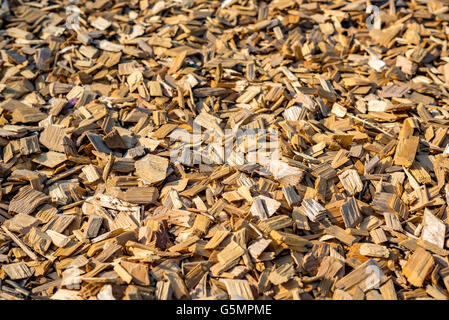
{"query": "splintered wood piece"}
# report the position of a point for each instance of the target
(324, 171)
(436, 292)
(29, 145)
(163, 131)
(294, 242)
(366, 277)
(391, 203)
(177, 62)
(351, 181)
(111, 250)
(313, 209)
(66, 294)
(113, 140)
(432, 247)
(259, 209)
(374, 250)
(249, 94)
(20, 243)
(340, 234)
(19, 33)
(282, 274)
(264, 207)
(434, 230)
(155, 89)
(17, 271)
(378, 235)
(275, 223)
(180, 290)
(172, 200)
(59, 223)
(181, 218)
(258, 246)
(388, 291)
(351, 213)
(163, 290)
(53, 138)
(238, 289)
(123, 274)
(38, 240)
(50, 159)
(138, 272)
(341, 295)
(21, 223)
(218, 238)
(140, 195)
(43, 59)
(58, 239)
(151, 169)
(106, 293)
(418, 267)
(97, 142)
(209, 122)
(406, 151)
(184, 244)
(25, 115)
(201, 223)
(444, 274)
(27, 200)
(291, 195)
(231, 252)
(329, 267)
(420, 173)
(392, 221)
(92, 173)
(300, 220)
(194, 276)
(93, 226)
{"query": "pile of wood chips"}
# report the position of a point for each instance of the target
(95, 96)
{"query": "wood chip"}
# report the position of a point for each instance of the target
(151, 169)
(418, 266)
